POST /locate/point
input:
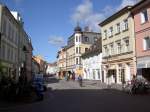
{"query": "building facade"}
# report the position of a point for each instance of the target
(92, 62)
(141, 15)
(41, 62)
(77, 44)
(9, 30)
(118, 46)
(61, 62)
(13, 43)
(52, 68)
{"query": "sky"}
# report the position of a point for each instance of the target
(49, 23)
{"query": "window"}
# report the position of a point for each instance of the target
(125, 24)
(118, 47)
(144, 16)
(106, 51)
(126, 41)
(111, 49)
(111, 31)
(78, 50)
(76, 38)
(86, 49)
(146, 43)
(98, 73)
(95, 39)
(86, 39)
(105, 34)
(118, 28)
(77, 61)
(79, 39)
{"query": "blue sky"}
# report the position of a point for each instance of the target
(50, 22)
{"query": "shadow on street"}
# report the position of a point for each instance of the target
(86, 100)
(49, 80)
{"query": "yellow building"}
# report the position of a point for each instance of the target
(78, 44)
(118, 46)
(61, 62)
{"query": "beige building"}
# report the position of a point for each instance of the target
(43, 64)
(118, 47)
(15, 45)
(77, 44)
(61, 62)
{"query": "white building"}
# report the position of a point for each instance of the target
(92, 63)
(52, 68)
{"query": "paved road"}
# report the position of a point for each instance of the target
(75, 99)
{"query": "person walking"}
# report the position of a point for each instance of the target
(80, 80)
(73, 76)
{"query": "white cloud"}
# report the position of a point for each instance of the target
(83, 11)
(126, 2)
(85, 14)
(56, 40)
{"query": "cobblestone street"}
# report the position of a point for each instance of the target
(70, 97)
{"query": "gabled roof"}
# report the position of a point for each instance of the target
(114, 16)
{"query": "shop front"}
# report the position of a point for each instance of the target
(143, 67)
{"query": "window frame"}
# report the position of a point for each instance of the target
(144, 16)
(145, 45)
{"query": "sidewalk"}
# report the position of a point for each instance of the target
(95, 83)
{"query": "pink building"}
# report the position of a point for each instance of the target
(141, 14)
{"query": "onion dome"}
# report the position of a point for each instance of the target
(78, 29)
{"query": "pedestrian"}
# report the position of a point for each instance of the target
(80, 80)
(73, 76)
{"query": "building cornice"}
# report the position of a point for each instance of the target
(116, 15)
